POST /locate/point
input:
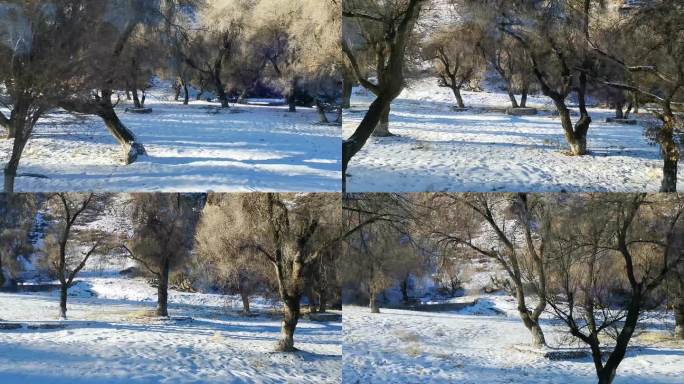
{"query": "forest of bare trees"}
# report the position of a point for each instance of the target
(268, 245)
(598, 263)
(576, 53)
(87, 56)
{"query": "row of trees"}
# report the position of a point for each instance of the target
(568, 49)
(596, 262)
(285, 245)
(83, 56)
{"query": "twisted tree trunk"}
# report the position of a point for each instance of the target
(291, 312)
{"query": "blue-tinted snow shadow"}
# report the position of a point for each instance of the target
(315, 150)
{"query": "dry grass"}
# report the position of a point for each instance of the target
(407, 336)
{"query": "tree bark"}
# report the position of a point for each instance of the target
(669, 151)
(163, 289)
(136, 98)
(292, 97)
(373, 302)
(523, 97)
(322, 118)
(289, 324)
(382, 130)
(606, 374)
(679, 316)
(530, 322)
(244, 295)
(347, 89)
(19, 121)
(186, 93)
(457, 94)
(322, 300)
(177, 91)
(619, 114)
(578, 147)
(404, 290)
(511, 95)
(63, 290)
(126, 139)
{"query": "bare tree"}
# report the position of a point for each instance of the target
(164, 229)
(457, 59)
(292, 232)
(385, 27)
(17, 217)
(653, 68)
(39, 65)
(644, 233)
(514, 241)
(70, 243)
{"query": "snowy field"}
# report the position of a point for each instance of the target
(484, 150)
(108, 339)
(478, 345)
(190, 149)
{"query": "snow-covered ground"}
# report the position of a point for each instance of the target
(437, 149)
(107, 339)
(190, 149)
(481, 344)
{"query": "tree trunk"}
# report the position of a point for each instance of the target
(186, 93)
(523, 97)
(459, 98)
(128, 95)
(322, 300)
(221, 92)
(404, 290)
(322, 118)
(606, 375)
(669, 151)
(292, 96)
(373, 302)
(619, 114)
(353, 145)
(163, 289)
(577, 147)
(347, 89)
(290, 319)
(382, 130)
(679, 316)
(531, 323)
(136, 99)
(131, 148)
(511, 95)
(245, 302)
(63, 290)
(19, 121)
(177, 91)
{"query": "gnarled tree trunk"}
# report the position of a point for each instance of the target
(382, 130)
(163, 289)
(289, 324)
(457, 94)
(669, 151)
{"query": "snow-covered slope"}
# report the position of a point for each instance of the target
(190, 148)
(484, 150)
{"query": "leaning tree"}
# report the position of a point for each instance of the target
(382, 29)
